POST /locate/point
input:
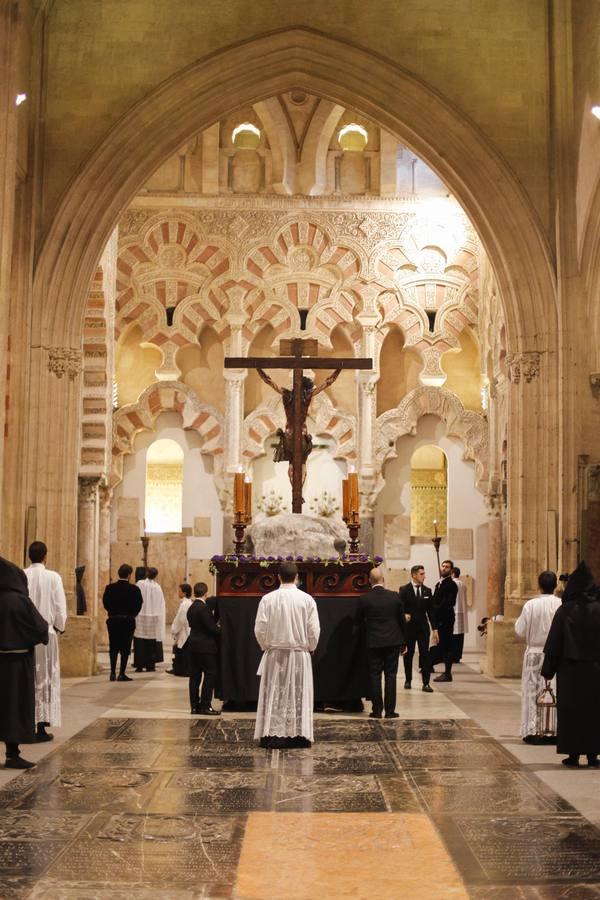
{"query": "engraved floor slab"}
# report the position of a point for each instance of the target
(110, 753)
(164, 851)
(202, 755)
(213, 792)
(451, 754)
(425, 730)
(361, 758)
(180, 730)
(92, 790)
(337, 793)
(525, 849)
(29, 843)
(493, 790)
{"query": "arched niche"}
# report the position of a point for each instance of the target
(343, 391)
(201, 367)
(256, 391)
(399, 369)
(428, 492)
(164, 487)
(463, 369)
(135, 365)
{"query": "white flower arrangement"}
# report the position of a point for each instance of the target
(271, 504)
(326, 505)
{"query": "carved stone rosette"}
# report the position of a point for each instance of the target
(64, 361)
(523, 365)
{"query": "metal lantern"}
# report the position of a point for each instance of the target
(545, 719)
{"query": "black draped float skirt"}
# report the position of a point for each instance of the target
(578, 689)
(17, 697)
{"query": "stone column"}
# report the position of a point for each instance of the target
(10, 39)
(496, 568)
(234, 416)
(87, 538)
(53, 453)
(367, 400)
(105, 498)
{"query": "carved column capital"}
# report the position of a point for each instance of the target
(523, 365)
(64, 361)
(88, 489)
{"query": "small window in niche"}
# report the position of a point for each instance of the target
(428, 492)
(245, 136)
(164, 486)
(353, 137)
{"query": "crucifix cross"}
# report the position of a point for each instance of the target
(295, 442)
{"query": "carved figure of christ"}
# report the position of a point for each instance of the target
(295, 442)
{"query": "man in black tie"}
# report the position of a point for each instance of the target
(382, 614)
(418, 613)
(444, 602)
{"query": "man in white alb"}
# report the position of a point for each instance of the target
(149, 624)
(461, 617)
(533, 625)
(287, 629)
(48, 596)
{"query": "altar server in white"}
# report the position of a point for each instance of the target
(287, 629)
(533, 625)
(48, 595)
(149, 624)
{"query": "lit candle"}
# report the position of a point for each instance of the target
(239, 494)
(353, 494)
(248, 501)
(345, 500)
(435, 531)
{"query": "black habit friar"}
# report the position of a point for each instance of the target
(21, 628)
(572, 652)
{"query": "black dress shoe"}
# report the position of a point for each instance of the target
(208, 711)
(407, 685)
(17, 762)
(43, 736)
(393, 715)
(593, 762)
(571, 761)
(428, 689)
(375, 715)
(443, 677)
(138, 669)
(124, 677)
(113, 677)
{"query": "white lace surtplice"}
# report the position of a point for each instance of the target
(287, 629)
(533, 625)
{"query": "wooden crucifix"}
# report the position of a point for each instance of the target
(295, 443)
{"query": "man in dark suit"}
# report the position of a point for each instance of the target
(382, 614)
(444, 602)
(122, 601)
(418, 613)
(203, 649)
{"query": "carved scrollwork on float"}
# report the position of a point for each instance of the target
(64, 361)
(523, 365)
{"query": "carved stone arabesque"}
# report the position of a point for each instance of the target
(64, 361)
(526, 365)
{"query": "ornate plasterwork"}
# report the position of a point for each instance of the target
(64, 361)
(469, 426)
(523, 365)
(166, 396)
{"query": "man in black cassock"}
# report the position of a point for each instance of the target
(572, 653)
(122, 601)
(444, 603)
(21, 628)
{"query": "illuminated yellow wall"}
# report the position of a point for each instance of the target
(399, 371)
(202, 368)
(463, 370)
(135, 365)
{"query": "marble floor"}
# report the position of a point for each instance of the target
(137, 799)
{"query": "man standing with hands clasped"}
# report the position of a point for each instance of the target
(418, 616)
(382, 613)
(444, 604)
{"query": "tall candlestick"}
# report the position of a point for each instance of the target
(239, 494)
(435, 528)
(345, 500)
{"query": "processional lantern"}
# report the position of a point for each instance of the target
(546, 713)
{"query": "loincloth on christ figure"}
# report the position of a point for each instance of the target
(284, 449)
